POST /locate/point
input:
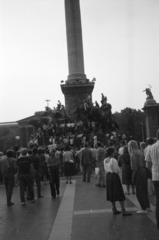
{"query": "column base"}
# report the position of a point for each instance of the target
(76, 93)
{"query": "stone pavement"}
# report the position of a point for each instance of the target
(80, 212)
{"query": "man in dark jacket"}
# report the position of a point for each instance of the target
(25, 178)
(8, 168)
(86, 162)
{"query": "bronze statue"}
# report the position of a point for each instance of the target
(148, 92)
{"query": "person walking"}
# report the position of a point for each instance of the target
(86, 162)
(25, 178)
(114, 190)
(8, 169)
(154, 160)
(139, 176)
(101, 153)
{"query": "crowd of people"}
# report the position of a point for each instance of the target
(87, 145)
(87, 123)
(137, 163)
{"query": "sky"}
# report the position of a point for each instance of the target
(121, 50)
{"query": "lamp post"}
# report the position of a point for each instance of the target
(47, 103)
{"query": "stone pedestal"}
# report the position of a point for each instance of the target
(151, 110)
(75, 94)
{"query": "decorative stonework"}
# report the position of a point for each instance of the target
(75, 94)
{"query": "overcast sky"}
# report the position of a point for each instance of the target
(121, 50)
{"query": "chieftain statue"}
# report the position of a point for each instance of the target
(148, 92)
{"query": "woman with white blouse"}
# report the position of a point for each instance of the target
(114, 188)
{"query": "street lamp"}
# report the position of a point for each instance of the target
(47, 102)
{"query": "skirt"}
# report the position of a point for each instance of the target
(69, 168)
(114, 189)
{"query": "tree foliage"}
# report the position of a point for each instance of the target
(131, 123)
(7, 137)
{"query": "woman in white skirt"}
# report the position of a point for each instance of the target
(114, 190)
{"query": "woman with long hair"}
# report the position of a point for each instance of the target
(124, 162)
(114, 188)
(139, 176)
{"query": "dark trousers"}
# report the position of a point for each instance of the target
(9, 185)
(54, 181)
(86, 171)
(156, 186)
(26, 180)
(142, 188)
(38, 182)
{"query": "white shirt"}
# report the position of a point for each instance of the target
(120, 151)
(153, 156)
(111, 165)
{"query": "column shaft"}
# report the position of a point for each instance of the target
(74, 40)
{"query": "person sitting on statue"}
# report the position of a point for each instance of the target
(106, 107)
(58, 105)
(96, 104)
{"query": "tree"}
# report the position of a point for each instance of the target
(131, 122)
(7, 137)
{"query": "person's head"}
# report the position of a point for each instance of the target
(40, 151)
(122, 143)
(86, 145)
(67, 148)
(10, 153)
(34, 150)
(24, 151)
(125, 150)
(150, 141)
(16, 148)
(99, 144)
(142, 145)
(52, 152)
(30, 152)
(132, 147)
(110, 152)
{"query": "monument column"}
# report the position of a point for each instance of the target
(77, 87)
(151, 110)
(74, 40)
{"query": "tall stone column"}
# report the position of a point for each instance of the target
(74, 40)
(151, 110)
(77, 87)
